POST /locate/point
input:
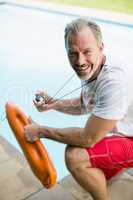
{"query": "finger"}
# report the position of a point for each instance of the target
(33, 139)
(30, 138)
(30, 120)
(40, 92)
(26, 135)
(41, 106)
(35, 104)
(34, 101)
(46, 107)
(48, 99)
(38, 104)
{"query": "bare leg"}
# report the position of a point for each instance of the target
(91, 179)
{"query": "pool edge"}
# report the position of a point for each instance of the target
(118, 19)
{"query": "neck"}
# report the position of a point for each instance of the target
(102, 62)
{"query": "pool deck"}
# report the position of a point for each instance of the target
(16, 179)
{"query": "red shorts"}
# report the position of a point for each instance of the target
(112, 154)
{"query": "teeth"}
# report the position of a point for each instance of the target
(80, 70)
(84, 68)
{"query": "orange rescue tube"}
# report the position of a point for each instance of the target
(35, 153)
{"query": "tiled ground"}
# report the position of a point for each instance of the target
(120, 188)
(17, 181)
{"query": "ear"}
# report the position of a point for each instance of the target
(101, 47)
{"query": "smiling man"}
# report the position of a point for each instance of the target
(97, 152)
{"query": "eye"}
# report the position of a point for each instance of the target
(87, 52)
(72, 54)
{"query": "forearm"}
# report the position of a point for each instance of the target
(70, 106)
(72, 136)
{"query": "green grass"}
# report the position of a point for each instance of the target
(125, 6)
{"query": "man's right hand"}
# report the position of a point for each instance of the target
(46, 103)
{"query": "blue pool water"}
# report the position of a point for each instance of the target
(32, 57)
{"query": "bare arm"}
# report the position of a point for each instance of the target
(95, 129)
(70, 106)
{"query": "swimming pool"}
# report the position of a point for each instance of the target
(32, 56)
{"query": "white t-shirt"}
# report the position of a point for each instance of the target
(110, 96)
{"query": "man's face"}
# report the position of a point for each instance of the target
(84, 53)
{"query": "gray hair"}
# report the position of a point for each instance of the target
(77, 25)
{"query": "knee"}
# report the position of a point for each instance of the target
(76, 158)
(70, 157)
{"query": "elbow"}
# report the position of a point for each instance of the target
(89, 143)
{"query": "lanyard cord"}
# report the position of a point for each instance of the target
(68, 80)
(74, 90)
(3, 116)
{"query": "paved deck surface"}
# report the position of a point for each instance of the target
(17, 181)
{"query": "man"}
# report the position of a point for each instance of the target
(98, 151)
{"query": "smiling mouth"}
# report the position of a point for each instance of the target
(83, 70)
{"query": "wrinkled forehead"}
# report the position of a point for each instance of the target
(84, 38)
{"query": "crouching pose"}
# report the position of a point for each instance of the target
(104, 147)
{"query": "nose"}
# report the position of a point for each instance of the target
(80, 59)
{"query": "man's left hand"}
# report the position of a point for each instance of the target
(31, 131)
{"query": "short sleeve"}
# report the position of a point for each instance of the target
(111, 100)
